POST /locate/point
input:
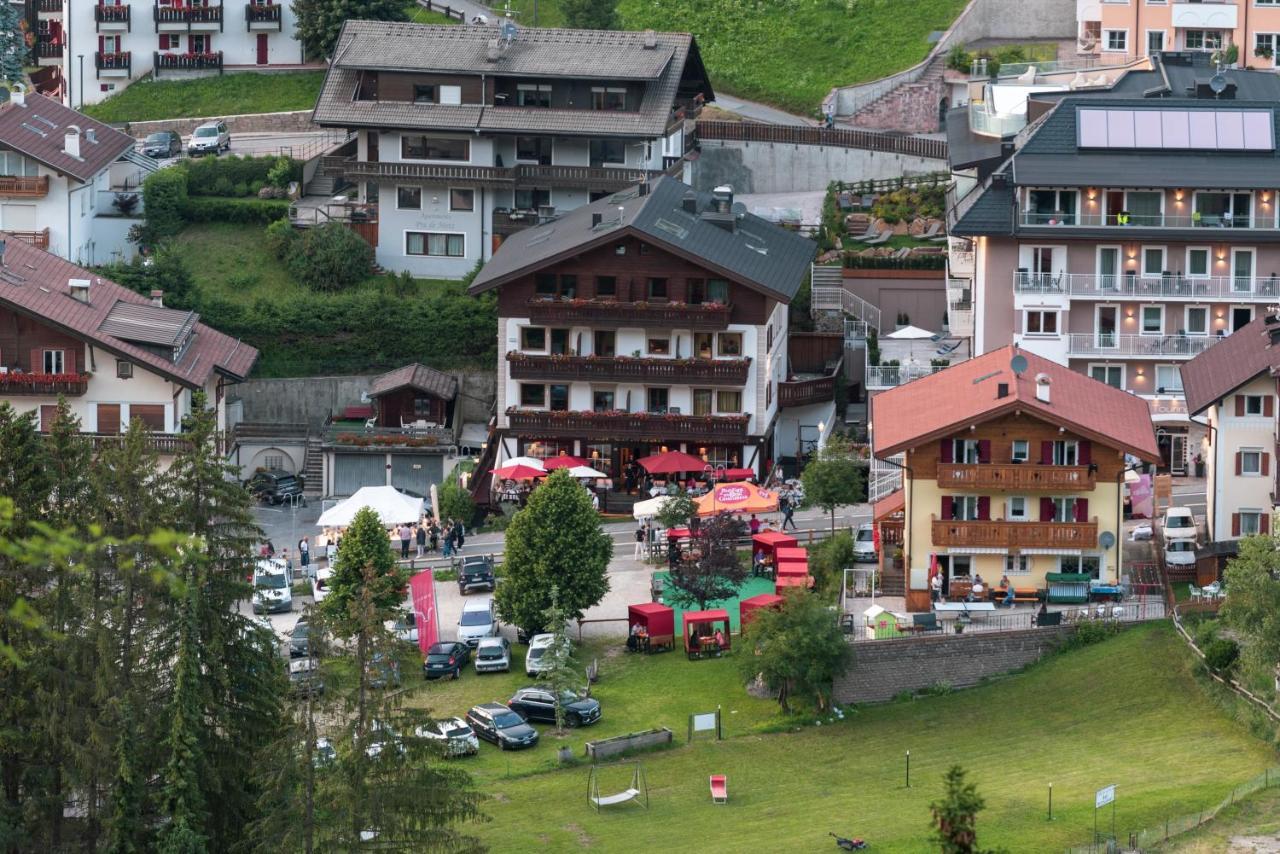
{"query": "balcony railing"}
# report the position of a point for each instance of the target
(583, 177)
(705, 316)
(45, 385)
(805, 392)
(187, 61)
(117, 61)
(1219, 222)
(23, 185)
(1130, 284)
(187, 15)
(113, 16)
(48, 50)
(621, 369)
(38, 239)
(373, 438)
(523, 175)
(1015, 476)
(160, 443)
(996, 534)
(1139, 346)
(49, 6)
(888, 376)
(262, 17)
(629, 425)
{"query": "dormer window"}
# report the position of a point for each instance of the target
(533, 94)
(608, 98)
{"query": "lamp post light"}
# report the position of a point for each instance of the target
(908, 769)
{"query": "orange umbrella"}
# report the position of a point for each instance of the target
(742, 497)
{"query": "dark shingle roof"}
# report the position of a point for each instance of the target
(991, 213)
(35, 283)
(1229, 364)
(546, 53)
(757, 252)
(38, 128)
(417, 376)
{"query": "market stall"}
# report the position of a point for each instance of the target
(706, 633)
(657, 623)
(392, 506)
(747, 607)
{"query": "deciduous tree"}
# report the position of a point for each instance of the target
(1252, 607)
(719, 571)
(798, 649)
(833, 478)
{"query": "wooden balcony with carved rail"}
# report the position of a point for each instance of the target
(34, 186)
(165, 444)
(731, 372)
(43, 385)
(1023, 477)
(628, 425)
(38, 239)
(986, 533)
(613, 314)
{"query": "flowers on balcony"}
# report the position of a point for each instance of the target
(362, 441)
(20, 380)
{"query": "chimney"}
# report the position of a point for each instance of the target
(690, 202)
(650, 40)
(71, 142)
(493, 51)
(91, 135)
(79, 289)
(1042, 388)
(596, 219)
(722, 198)
(1002, 391)
(157, 298)
(19, 95)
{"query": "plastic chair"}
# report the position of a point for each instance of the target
(719, 789)
(1196, 593)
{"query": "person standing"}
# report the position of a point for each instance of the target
(420, 535)
(448, 538)
(405, 535)
(642, 536)
(304, 553)
(434, 535)
(460, 535)
(754, 525)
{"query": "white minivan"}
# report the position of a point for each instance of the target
(478, 621)
(272, 586)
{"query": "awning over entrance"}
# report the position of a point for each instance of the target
(894, 502)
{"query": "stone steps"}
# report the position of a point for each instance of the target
(910, 108)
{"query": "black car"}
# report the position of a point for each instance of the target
(446, 659)
(300, 640)
(496, 723)
(475, 572)
(537, 703)
(274, 486)
(162, 144)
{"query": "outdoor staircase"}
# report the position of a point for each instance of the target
(910, 108)
(313, 467)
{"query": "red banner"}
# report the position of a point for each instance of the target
(422, 588)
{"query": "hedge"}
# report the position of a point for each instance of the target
(232, 176)
(217, 209)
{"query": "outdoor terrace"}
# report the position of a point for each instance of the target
(1114, 345)
(999, 534)
(1170, 286)
(733, 372)
(1020, 476)
(629, 425)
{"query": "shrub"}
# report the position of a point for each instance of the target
(1204, 633)
(1221, 655)
(215, 209)
(164, 196)
(455, 502)
(236, 176)
(281, 173)
(280, 237)
(828, 559)
(330, 257)
(1091, 632)
(165, 271)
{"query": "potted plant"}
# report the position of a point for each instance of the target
(1263, 51)
(897, 558)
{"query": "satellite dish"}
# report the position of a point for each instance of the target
(1218, 83)
(1106, 539)
(1018, 364)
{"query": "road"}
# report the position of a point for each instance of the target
(758, 112)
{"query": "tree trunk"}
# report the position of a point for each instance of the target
(833, 520)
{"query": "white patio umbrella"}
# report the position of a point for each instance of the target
(586, 471)
(531, 462)
(391, 505)
(648, 508)
(910, 333)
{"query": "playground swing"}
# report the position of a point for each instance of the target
(638, 789)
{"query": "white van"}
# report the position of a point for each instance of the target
(272, 586)
(478, 621)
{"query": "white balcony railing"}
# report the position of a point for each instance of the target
(1221, 224)
(1112, 345)
(888, 376)
(1130, 284)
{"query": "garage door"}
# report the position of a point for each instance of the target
(352, 471)
(18, 217)
(416, 472)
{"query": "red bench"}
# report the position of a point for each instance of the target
(357, 413)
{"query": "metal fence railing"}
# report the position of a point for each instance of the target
(889, 626)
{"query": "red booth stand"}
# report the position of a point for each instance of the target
(701, 640)
(785, 581)
(770, 541)
(659, 622)
(748, 607)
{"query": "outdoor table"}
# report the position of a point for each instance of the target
(964, 609)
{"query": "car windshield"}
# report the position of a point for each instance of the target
(286, 482)
(1179, 520)
(210, 131)
(271, 581)
(502, 720)
(864, 536)
(1182, 546)
(476, 618)
(457, 732)
(491, 652)
(300, 630)
(161, 138)
(536, 652)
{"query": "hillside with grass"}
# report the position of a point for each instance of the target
(222, 95)
(788, 53)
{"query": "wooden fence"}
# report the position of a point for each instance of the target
(918, 146)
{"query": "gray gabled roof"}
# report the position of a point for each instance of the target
(535, 53)
(990, 213)
(38, 129)
(756, 252)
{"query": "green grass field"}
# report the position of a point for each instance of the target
(1259, 816)
(224, 95)
(1127, 712)
(789, 53)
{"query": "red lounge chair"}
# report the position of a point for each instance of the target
(719, 789)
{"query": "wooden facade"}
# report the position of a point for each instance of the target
(406, 405)
(23, 340)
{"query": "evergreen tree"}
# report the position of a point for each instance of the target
(318, 22)
(13, 45)
(183, 801)
(556, 541)
(955, 816)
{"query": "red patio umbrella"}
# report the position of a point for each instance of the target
(518, 472)
(671, 462)
(563, 461)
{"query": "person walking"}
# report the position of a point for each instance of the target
(288, 562)
(420, 535)
(460, 536)
(405, 535)
(448, 538)
(642, 536)
(788, 510)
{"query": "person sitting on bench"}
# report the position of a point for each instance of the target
(718, 638)
(977, 591)
(1008, 590)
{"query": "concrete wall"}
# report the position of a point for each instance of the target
(922, 294)
(298, 121)
(312, 399)
(776, 167)
(883, 669)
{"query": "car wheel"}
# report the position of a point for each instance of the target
(457, 672)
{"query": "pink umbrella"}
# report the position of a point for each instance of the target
(563, 461)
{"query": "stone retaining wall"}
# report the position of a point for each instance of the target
(298, 121)
(884, 669)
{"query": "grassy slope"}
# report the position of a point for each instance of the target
(789, 53)
(224, 95)
(1126, 712)
(1257, 816)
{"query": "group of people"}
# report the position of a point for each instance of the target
(977, 589)
(427, 537)
(638, 638)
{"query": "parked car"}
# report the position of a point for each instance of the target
(864, 543)
(445, 659)
(1179, 524)
(382, 736)
(209, 138)
(272, 586)
(454, 735)
(496, 723)
(304, 677)
(324, 754)
(478, 621)
(475, 572)
(300, 640)
(274, 486)
(493, 655)
(384, 671)
(533, 659)
(320, 584)
(538, 703)
(1180, 553)
(404, 627)
(162, 145)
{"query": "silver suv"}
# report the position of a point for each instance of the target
(209, 138)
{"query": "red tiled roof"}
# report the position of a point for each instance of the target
(1229, 364)
(894, 502)
(34, 282)
(964, 394)
(38, 129)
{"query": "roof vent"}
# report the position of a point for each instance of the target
(1042, 388)
(650, 40)
(19, 94)
(79, 289)
(722, 198)
(493, 51)
(596, 219)
(71, 142)
(157, 298)
(91, 135)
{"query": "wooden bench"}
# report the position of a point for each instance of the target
(1020, 594)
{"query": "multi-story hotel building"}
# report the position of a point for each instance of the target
(1110, 28)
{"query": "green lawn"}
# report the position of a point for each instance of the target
(1127, 712)
(1257, 816)
(224, 95)
(789, 53)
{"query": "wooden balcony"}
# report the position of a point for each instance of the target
(732, 372)
(187, 17)
(187, 61)
(520, 175)
(36, 187)
(53, 7)
(161, 443)
(611, 314)
(263, 17)
(805, 392)
(118, 61)
(581, 177)
(38, 239)
(994, 534)
(629, 425)
(113, 17)
(43, 385)
(1023, 477)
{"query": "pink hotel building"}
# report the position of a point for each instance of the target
(1142, 27)
(1125, 230)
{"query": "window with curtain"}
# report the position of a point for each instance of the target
(1144, 207)
(702, 401)
(435, 244)
(729, 402)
